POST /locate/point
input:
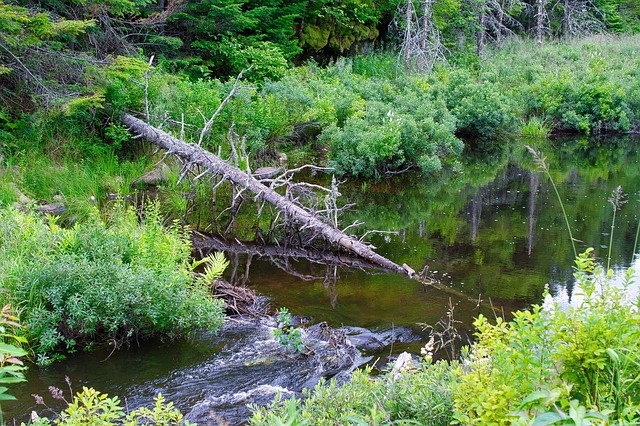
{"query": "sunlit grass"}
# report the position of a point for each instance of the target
(79, 185)
(535, 127)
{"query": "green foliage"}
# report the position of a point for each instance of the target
(580, 86)
(19, 27)
(95, 408)
(535, 127)
(100, 283)
(419, 396)
(228, 36)
(550, 362)
(288, 337)
(215, 265)
(11, 366)
(480, 107)
(81, 185)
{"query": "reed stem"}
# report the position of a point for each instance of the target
(541, 162)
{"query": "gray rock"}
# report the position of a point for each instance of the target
(20, 207)
(21, 197)
(157, 176)
(53, 209)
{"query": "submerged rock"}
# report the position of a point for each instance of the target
(370, 341)
(266, 172)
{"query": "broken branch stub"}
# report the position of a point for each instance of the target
(194, 154)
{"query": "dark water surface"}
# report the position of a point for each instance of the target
(492, 234)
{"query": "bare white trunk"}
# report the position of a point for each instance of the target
(540, 22)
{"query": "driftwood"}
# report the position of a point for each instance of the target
(192, 155)
(240, 300)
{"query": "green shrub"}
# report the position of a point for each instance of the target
(545, 359)
(100, 283)
(95, 408)
(480, 108)
(421, 396)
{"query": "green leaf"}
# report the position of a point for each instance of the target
(12, 379)
(614, 355)
(547, 419)
(533, 397)
(12, 350)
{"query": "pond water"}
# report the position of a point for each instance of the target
(492, 234)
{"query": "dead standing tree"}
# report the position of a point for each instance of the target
(193, 155)
(421, 44)
(495, 20)
(578, 18)
(581, 18)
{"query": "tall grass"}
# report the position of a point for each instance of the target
(535, 127)
(80, 185)
(540, 161)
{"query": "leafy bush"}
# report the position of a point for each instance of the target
(548, 362)
(480, 107)
(420, 396)
(93, 407)
(101, 283)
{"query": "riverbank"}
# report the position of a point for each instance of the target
(551, 363)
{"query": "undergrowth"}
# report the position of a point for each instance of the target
(101, 283)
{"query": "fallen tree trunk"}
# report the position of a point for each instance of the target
(193, 154)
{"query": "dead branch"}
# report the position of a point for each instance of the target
(234, 90)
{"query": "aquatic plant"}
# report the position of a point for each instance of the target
(535, 127)
(540, 160)
(616, 200)
(287, 336)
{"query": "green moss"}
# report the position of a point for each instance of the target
(314, 36)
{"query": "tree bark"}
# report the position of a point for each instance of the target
(194, 154)
(540, 22)
(482, 18)
(408, 36)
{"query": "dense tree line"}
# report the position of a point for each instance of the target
(58, 41)
(77, 58)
